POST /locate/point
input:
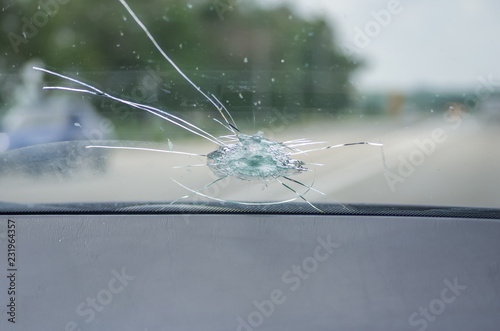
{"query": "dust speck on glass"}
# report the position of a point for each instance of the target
(247, 103)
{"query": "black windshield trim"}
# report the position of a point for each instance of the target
(231, 208)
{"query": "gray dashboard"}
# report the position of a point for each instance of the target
(251, 272)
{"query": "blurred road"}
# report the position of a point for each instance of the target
(437, 161)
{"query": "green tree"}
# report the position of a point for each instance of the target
(249, 56)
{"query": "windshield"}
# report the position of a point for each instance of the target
(251, 103)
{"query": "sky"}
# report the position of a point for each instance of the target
(414, 44)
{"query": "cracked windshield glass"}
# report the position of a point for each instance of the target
(250, 103)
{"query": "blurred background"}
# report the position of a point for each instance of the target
(421, 77)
